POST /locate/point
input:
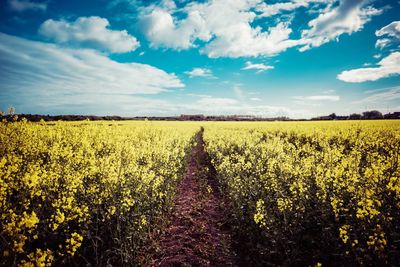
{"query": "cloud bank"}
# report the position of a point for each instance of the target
(89, 32)
(36, 67)
(237, 33)
(230, 35)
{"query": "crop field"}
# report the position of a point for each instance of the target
(312, 192)
(136, 193)
(77, 192)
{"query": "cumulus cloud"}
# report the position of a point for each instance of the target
(392, 31)
(199, 72)
(388, 66)
(230, 35)
(348, 17)
(245, 41)
(161, 29)
(237, 33)
(42, 68)
(89, 32)
(260, 67)
(24, 5)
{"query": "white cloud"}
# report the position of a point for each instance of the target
(348, 17)
(381, 43)
(91, 104)
(255, 99)
(210, 105)
(382, 96)
(90, 32)
(46, 69)
(234, 34)
(239, 39)
(237, 32)
(162, 30)
(317, 98)
(391, 30)
(44, 78)
(199, 72)
(259, 67)
(228, 35)
(388, 66)
(268, 10)
(24, 5)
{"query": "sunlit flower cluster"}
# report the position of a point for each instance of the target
(85, 190)
(340, 180)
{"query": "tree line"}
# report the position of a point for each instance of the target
(10, 115)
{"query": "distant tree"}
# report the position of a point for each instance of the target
(333, 116)
(355, 116)
(394, 115)
(372, 115)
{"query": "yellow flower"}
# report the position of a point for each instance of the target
(30, 220)
(344, 233)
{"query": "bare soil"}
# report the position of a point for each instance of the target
(197, 233)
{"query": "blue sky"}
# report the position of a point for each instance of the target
(296, 58)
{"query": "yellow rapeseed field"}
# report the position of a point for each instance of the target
(77, 193)
(93, 187)
(305, 188)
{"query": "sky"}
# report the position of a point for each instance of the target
(295, 58)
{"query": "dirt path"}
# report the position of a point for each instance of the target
(197, 234)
